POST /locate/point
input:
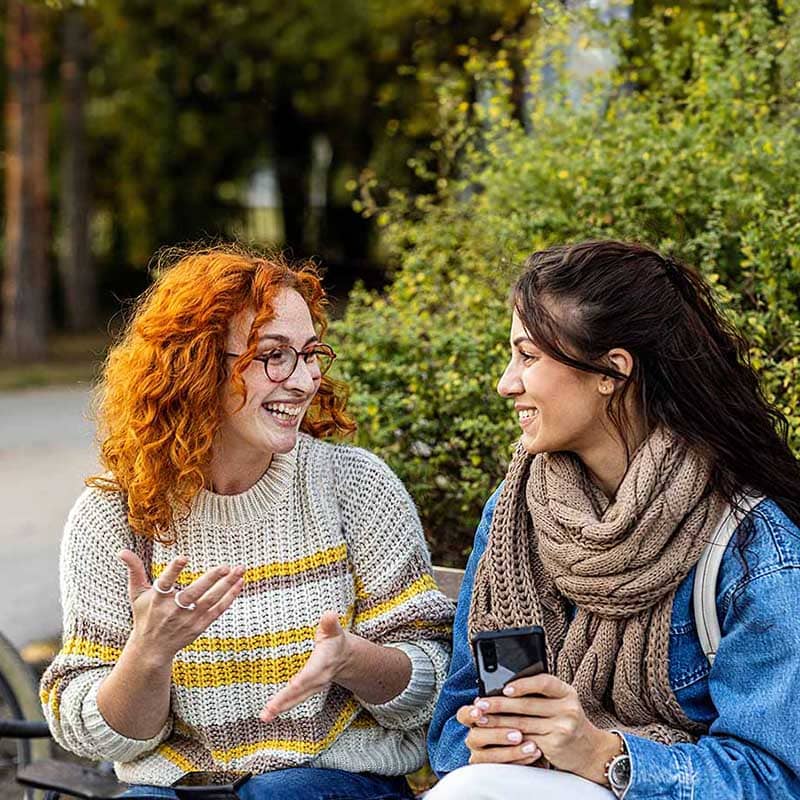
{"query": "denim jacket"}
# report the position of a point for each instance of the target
(750, 698)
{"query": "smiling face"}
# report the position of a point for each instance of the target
(269, 420)
(559, 408)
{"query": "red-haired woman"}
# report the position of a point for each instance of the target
(238, 594)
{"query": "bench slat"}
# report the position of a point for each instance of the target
(449, 580)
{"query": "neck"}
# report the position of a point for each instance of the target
(228, 474)
(608, 460)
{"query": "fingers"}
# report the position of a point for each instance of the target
(517, 706)
(526, 724)
(137, 575)
(171, 572)
(307, 682)
(329, 625)
(543, 685)
(234, 586)
(468, 715)
(211, 583)
(219, 588)
(501, 746)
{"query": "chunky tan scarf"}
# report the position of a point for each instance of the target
(556, 542)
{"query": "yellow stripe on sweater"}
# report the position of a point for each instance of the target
(77, 646)
(226, 672)
(49, 697)
(276, 569)
(422, 584)
(171, 754)
(309, 748)
(240, 644)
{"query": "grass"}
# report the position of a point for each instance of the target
(72, 358)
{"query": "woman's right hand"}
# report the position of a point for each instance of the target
(495, 745)
(159, 623)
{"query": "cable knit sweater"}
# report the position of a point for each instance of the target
(327, 527)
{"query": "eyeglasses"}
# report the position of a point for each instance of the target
(280, 363)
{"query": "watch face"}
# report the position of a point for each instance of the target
(619, 774)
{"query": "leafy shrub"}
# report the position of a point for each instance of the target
(703, 162)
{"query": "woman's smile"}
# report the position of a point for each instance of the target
(286, 415)
(527, 416)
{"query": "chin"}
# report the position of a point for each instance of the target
(286, 442)
(535, 444)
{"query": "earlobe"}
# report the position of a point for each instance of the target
(606, 386)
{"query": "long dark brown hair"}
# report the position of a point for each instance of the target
(691, 370)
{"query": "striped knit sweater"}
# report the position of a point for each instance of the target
(327, 527)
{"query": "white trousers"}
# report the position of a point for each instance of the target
(512, 782)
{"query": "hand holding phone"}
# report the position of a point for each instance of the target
(506, 655)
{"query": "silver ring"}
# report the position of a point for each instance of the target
(184, 606)
(161, 590)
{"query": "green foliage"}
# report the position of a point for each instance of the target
(188, 98)
(703, 162)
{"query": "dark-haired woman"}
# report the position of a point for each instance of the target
(239, 594)
(642, 425)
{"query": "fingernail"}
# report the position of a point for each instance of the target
(529, 748)
(483, 720)
(514, 736)
(475, 713)
(508, 690)
(484, 704)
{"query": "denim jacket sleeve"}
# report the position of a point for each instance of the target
(446, 748)
(751, 750)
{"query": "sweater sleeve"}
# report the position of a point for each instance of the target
(96, 624)
(447, 749)
(398, 603)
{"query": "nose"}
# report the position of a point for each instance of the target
(303, 378)
(510, 383)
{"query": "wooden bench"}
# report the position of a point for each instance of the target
(449, 580)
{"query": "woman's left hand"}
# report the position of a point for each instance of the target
(548, 711)
(330, 656)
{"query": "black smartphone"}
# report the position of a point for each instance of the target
(210, 785)
(505, 655)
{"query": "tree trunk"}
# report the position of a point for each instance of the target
(26, 280)
(293, 156)
(75, 259)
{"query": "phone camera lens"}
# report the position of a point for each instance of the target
(489, 656)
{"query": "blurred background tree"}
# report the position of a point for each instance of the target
(194, 119)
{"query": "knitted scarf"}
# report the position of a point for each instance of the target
(557, 543)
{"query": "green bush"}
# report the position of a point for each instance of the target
(703, 162)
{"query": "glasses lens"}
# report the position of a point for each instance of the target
(280, 363)
(322, 357)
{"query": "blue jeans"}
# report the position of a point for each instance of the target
(305, 783)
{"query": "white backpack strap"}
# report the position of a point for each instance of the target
(705, 579)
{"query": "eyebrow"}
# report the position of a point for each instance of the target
(279, 337)
(520, 339)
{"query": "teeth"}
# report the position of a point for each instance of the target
(284, 408)
(528, 413)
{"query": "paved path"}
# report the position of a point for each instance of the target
(46, 449)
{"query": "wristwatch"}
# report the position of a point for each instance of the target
(619, 774)
(618, 769)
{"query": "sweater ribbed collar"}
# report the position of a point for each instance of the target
(252, 504)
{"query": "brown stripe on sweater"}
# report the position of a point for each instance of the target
(252, 729)
(412, 570)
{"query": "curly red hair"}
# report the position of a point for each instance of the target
(158, 404)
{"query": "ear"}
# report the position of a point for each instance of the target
(621, 361)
